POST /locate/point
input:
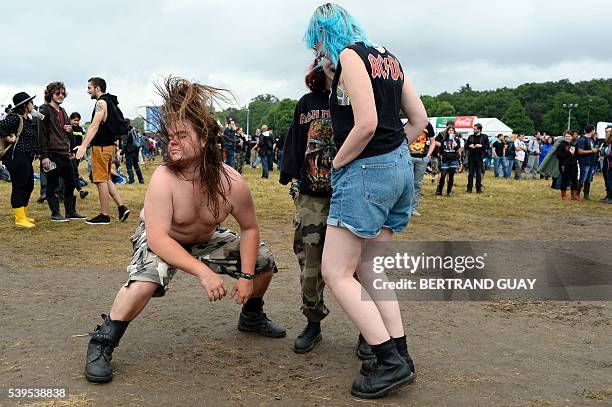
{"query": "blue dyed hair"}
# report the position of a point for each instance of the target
(335, 29)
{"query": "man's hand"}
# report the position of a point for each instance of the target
(46, 163)
(244, 289)
(214, 286)
(67, 128)
(11, 138)
(80, 151)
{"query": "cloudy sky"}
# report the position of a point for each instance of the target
(255, 47)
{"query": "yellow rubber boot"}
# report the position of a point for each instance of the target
(31, 220)
(20, 218)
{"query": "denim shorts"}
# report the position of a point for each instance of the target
(373, 193)
(454, 164)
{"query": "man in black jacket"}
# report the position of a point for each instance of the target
(477, 146)
(55, 152)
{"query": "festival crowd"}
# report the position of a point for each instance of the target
(346, 136)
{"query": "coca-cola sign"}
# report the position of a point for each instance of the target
(465, 122)
(461, 122)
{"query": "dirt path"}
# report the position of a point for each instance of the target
(185, 351)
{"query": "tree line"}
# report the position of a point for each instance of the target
(526, 108)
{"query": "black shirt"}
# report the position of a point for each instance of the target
(280, 143)
(387, 79)
(309, 146)
(229, 139)
(510, 150)
(478, 152)
(104, 136)
(28, 140)
(499, 148)
(76, 137)
(266, 143)
(565, 157)
(449, 149)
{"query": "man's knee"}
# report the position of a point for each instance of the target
(141, 289)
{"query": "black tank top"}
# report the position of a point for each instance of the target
(104, 137)
(387, 79)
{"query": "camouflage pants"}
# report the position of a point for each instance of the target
(310, 223)
(239, 158)
(221, 254)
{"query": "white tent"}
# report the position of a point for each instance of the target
(492, 126)
(601, 129)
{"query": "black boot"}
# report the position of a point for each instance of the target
(587, 191)
(104, 339)
(130, 176)
(71, 213)
(140, 177)
(308, 339)
(391, 372)
(368, 366)
(579, 187)
(253, 319)
(56, 215)
(363, 349)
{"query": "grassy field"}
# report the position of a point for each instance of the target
(508, 210)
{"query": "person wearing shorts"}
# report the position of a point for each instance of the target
(103, 151)
(187, 199)
(221, 253)
(449, 157)
(372, 185)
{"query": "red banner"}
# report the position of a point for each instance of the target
(465, 122)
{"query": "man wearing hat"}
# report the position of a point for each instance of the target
(16, 130)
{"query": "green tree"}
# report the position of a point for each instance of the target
(138, 124)
(436, 107)
(258, 108)
(280, 116)
(517, 118)
(555, 119)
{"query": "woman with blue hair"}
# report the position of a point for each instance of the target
(372, 183)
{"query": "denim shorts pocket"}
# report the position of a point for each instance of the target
(379, 182)
(336, 173)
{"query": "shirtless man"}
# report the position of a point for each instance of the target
(186, 201)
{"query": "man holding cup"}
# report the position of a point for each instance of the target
(53, 138)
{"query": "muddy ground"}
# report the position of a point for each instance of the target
(185, 351)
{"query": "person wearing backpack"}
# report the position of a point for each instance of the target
(18, 145)
(107, 125)
(131, 149)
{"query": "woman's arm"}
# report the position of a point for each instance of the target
(413, 108)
